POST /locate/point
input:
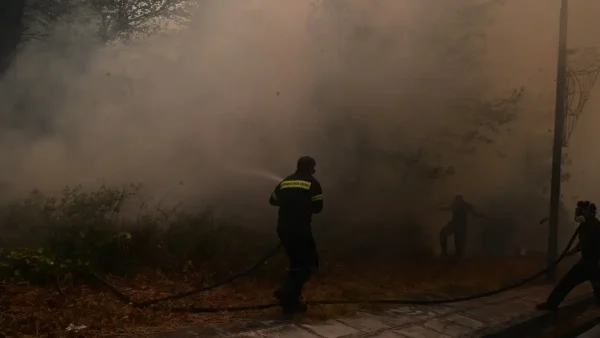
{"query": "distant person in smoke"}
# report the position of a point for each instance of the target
(587, 268)
(457, 226)
(298, 196)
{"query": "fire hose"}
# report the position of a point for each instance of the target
(126, 299)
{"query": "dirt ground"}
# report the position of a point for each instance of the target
(38, 311)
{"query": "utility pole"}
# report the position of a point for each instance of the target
(559, 126)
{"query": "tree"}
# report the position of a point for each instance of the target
(22, 20)
(11, 29)
(429, 72)
(114, 19)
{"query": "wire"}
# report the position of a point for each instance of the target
(196, 309)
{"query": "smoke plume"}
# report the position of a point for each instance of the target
(391, 97)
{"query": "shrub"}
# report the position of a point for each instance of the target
(107, 231)
(30, 264)
(43, 237)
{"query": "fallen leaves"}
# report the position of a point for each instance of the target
(42, 312)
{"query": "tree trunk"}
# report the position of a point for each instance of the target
(11, 30)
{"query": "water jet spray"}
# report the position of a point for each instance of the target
(258, 173)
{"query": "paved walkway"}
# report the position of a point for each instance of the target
(591, 333)
(475, 318)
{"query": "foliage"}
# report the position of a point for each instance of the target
(440, 81)
(114, 19)
(44, 238)
(30, 264)
(11, 16)
(110, 20)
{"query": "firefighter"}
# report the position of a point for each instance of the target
(586, 269)
(298, 196)
(457, 226)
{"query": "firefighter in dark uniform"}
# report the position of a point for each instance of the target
(587, 268)
(298, 196)
(457, 226)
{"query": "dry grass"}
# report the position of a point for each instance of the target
(44, 312)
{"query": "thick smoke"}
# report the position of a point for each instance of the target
(387, 95)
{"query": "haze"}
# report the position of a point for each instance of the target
(252, 85)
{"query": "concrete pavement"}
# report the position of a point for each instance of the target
(476, 318)
(591, 333)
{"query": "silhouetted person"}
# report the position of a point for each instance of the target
(457, 226)
(587, 267)
(298, 196)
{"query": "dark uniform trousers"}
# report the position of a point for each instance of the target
(457, 229)
(298, 197)
(584, 270)
(300, 247)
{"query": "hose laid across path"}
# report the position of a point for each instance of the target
(121, 296)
